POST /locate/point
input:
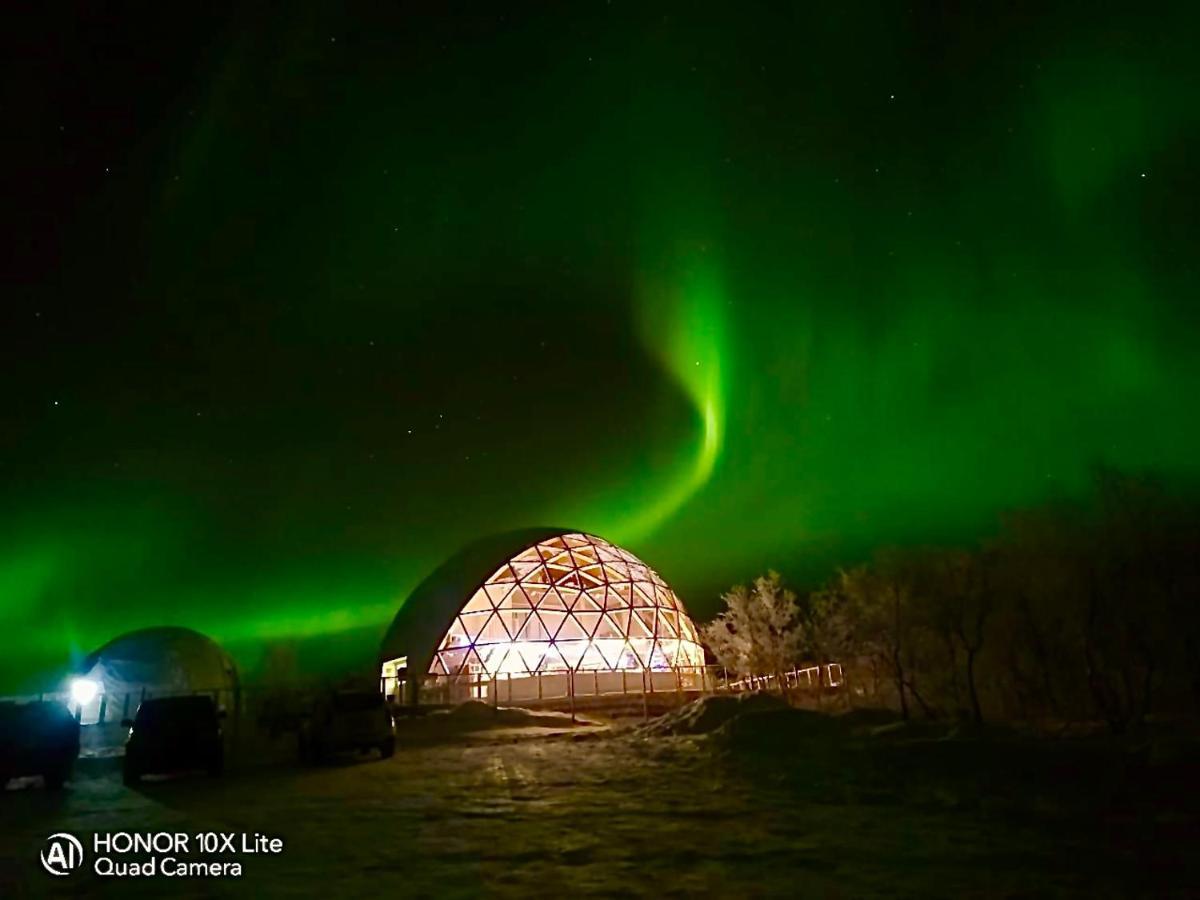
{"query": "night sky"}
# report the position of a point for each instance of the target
(294, 307)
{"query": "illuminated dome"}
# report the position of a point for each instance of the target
(573, 601)
(561, 602)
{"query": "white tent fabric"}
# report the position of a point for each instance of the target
(156, 662)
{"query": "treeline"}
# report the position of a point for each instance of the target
(1084, 610)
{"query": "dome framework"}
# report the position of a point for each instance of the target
(572, 602)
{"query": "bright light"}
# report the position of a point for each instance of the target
(83, 691)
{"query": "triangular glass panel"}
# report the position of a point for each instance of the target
(478, 603)
(586, 603)
(638, 628)
(552, 661)
(549, 552)
(592, 660)
(504, 573)
(646, 617)
(517, 621)
(620, 618)
(571, 630)
(572, 652)
(515, 599)
(456, 635)
(551, 620)
(616, 570)
(537, 575)
(531, 657)
(473, 623)
(667, 623)
(494, 631)
(493, 657)
(612, 652)
(624, 590)
(640, 647)
(606, 553)
(568, 578)
(607, 628)
(523, 567)
(552, 599)
(588, 621)
(534, 630)
(453, 660)
(613, 599)
(497, 592)
(592, 576)
(642, 595)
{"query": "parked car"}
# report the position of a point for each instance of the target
(345, 721)
(174, 734)
(38, 738)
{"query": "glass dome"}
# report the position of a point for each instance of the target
(571, 602)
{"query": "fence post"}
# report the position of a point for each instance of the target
(571, 691)
(595, 683)
(645, 700)
(103, 709)
(539, 675)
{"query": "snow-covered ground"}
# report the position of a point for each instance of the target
(768, 805)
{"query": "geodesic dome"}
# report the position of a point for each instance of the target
(540, 602)
(573, 601)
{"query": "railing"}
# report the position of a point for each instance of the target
(507, 688)
(800, 677)
(533, 687)
(550, 688)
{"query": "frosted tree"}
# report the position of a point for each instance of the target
(759, 632)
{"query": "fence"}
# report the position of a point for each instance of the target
(528, 688)
(554, 687)
(827, 675)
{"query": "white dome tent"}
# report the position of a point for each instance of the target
(152, 662)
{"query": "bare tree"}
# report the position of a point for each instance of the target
(881, 607)
(958, 604)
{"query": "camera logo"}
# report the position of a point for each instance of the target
(62, 854)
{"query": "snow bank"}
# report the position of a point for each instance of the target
(710, 713)
(477, 716)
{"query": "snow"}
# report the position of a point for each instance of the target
(746, 800)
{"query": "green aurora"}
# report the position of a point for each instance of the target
(300, 306)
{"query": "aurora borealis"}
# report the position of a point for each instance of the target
(297, 306)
